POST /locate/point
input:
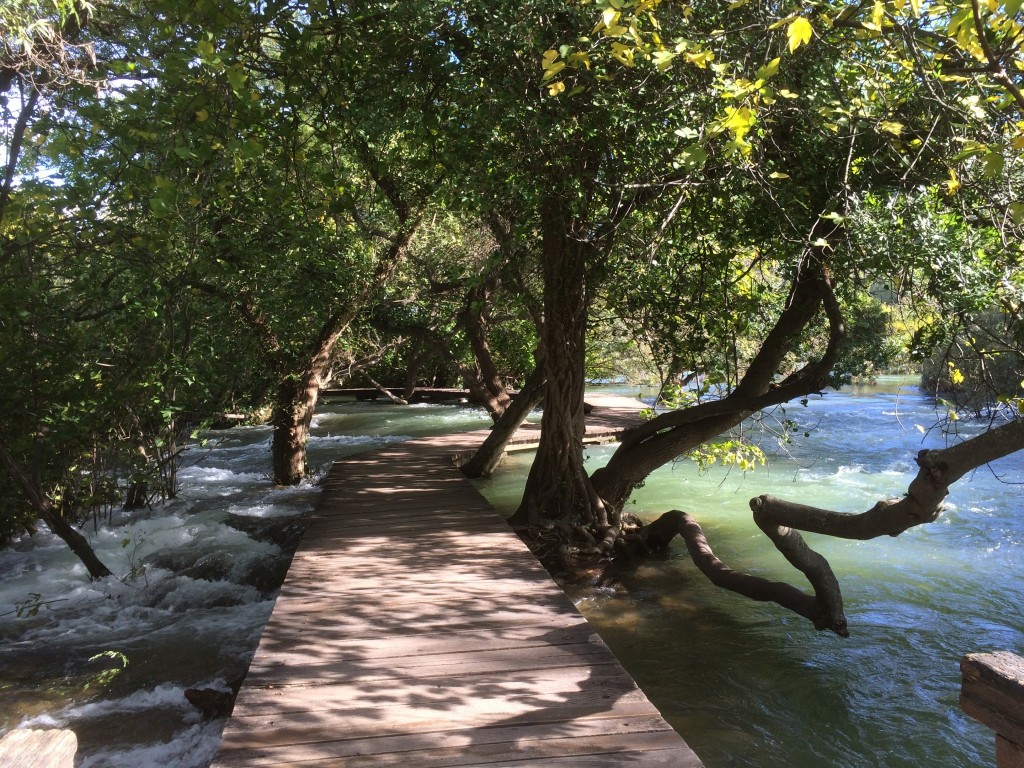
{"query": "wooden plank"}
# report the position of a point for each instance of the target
(402, 610)
(620, 744)
(36, 748)
(299, 721)
(486, 746)
(413, 618)
(992, 692)
(416, 629)
(330, 668)
(605, 685)
(569, 630)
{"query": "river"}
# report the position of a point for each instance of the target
(748, 685)
(744, 683)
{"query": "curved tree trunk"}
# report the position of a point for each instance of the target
(298, 392)
(664, 438)
(487, 384)
(391, 397)
(488, 456)
(412, 372)
(60, 527)
(780, 520)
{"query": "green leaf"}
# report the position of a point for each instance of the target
(692, 157)
(663, 59)
(739, 120)
(994, 164)
(251, 149)
(236, 78)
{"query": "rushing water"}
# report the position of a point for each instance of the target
(747, 684)
(195, 584)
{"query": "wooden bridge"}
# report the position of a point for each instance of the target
(415, 628)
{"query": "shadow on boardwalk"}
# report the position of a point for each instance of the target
(415, 628)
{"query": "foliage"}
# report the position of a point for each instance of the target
(209, 206)
(978, 367)
(741, 454)
(106, 676)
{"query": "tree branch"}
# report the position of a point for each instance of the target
(780, 520)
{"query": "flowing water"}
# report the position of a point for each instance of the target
(196, 580)
(745, 683)
(748, 685)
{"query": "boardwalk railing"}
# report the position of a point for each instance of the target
(993, 693)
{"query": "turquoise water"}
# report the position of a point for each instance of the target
(747, 684)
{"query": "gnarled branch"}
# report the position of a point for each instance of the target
(780, 520)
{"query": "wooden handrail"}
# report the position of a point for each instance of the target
(992, 692)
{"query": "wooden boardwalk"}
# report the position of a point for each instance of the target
(415, 628)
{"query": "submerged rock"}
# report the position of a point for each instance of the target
(285, 532)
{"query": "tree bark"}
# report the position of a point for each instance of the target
(412, 370)
(60, 527)
(486, 382)
(293, 413)
(488, 456)
(558, 490)
(393, 398)
(297, 394)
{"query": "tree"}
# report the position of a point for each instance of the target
(459, 309)
(40, 58)
(279, 194)
(899, 95)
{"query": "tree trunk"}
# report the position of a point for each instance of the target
(412, 371)
(781, 520)
(487, 384)
(297, 393)
(558, 491)
(393, 398)
(293, 413)
(60, 527)
(488, 456)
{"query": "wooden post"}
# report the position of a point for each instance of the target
(30, 748)
(993, 693)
